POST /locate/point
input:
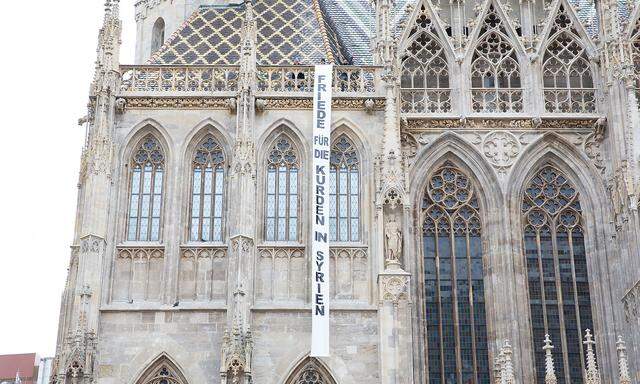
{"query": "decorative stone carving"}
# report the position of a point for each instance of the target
(592, 372)
(177, 103)
(232, 104)
(91, 244)
(393, 241)
(623, 365)
(409, 144)
(550, 370)
(394, 288)
(121, 105)
(501, 149)
(419, 125)
(369, 106)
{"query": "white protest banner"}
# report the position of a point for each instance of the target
(320, 215)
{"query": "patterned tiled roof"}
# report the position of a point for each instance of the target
(298, 32)
(289, 31)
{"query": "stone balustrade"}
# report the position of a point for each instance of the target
(193, 80)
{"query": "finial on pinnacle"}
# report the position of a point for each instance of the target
(550, 370)
(623, 365)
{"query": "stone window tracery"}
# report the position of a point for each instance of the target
(558, 282)
(282, 190)
(145, 191)
(162, 373)
(454, 280)
(425, 71)
(207, 192)
(495, 70)
(567, 76)
(310, 372)
(344, 200)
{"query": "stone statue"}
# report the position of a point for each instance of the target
(393, 237)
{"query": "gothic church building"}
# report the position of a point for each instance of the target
(484, 190)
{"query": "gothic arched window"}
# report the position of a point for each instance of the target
(310, 372)
(454, 280)
(495, 71)
(162, 372)
(344, 203)
(558, 283)
(207, 192)
(145, 197)
(157, 35)
(282, 188)
(425, 71)
(568, 81)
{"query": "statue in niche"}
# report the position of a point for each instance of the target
(393, 238)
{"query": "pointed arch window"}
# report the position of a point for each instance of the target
(454, 280)
(495, 70)
(310, 372)
(162, 372)
(567, 75)
(344, 203)
(558, 282)
(282, 189)
(145, 191)
(425, 70)
(157, 35)
(207, 192)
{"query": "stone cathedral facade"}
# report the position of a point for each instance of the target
(485, 181)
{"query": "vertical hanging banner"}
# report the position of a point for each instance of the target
(320, 216)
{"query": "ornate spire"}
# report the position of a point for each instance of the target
(507, 376)
(497, 368)
(593, 375)
(623, 365)
(550, 369)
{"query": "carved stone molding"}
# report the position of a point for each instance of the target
(394, 287)
(91, 243)
(338, 103)
(140, 253)
(177, 103)
(418, 125)
(189, 252)
(281, 252)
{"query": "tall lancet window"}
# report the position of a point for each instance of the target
(207, 192)
(425, 72)
(454, 280)
(568, 81)
(345, 192)
(495, 71)
(282, 189)
(557, 272)
(145, 201)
